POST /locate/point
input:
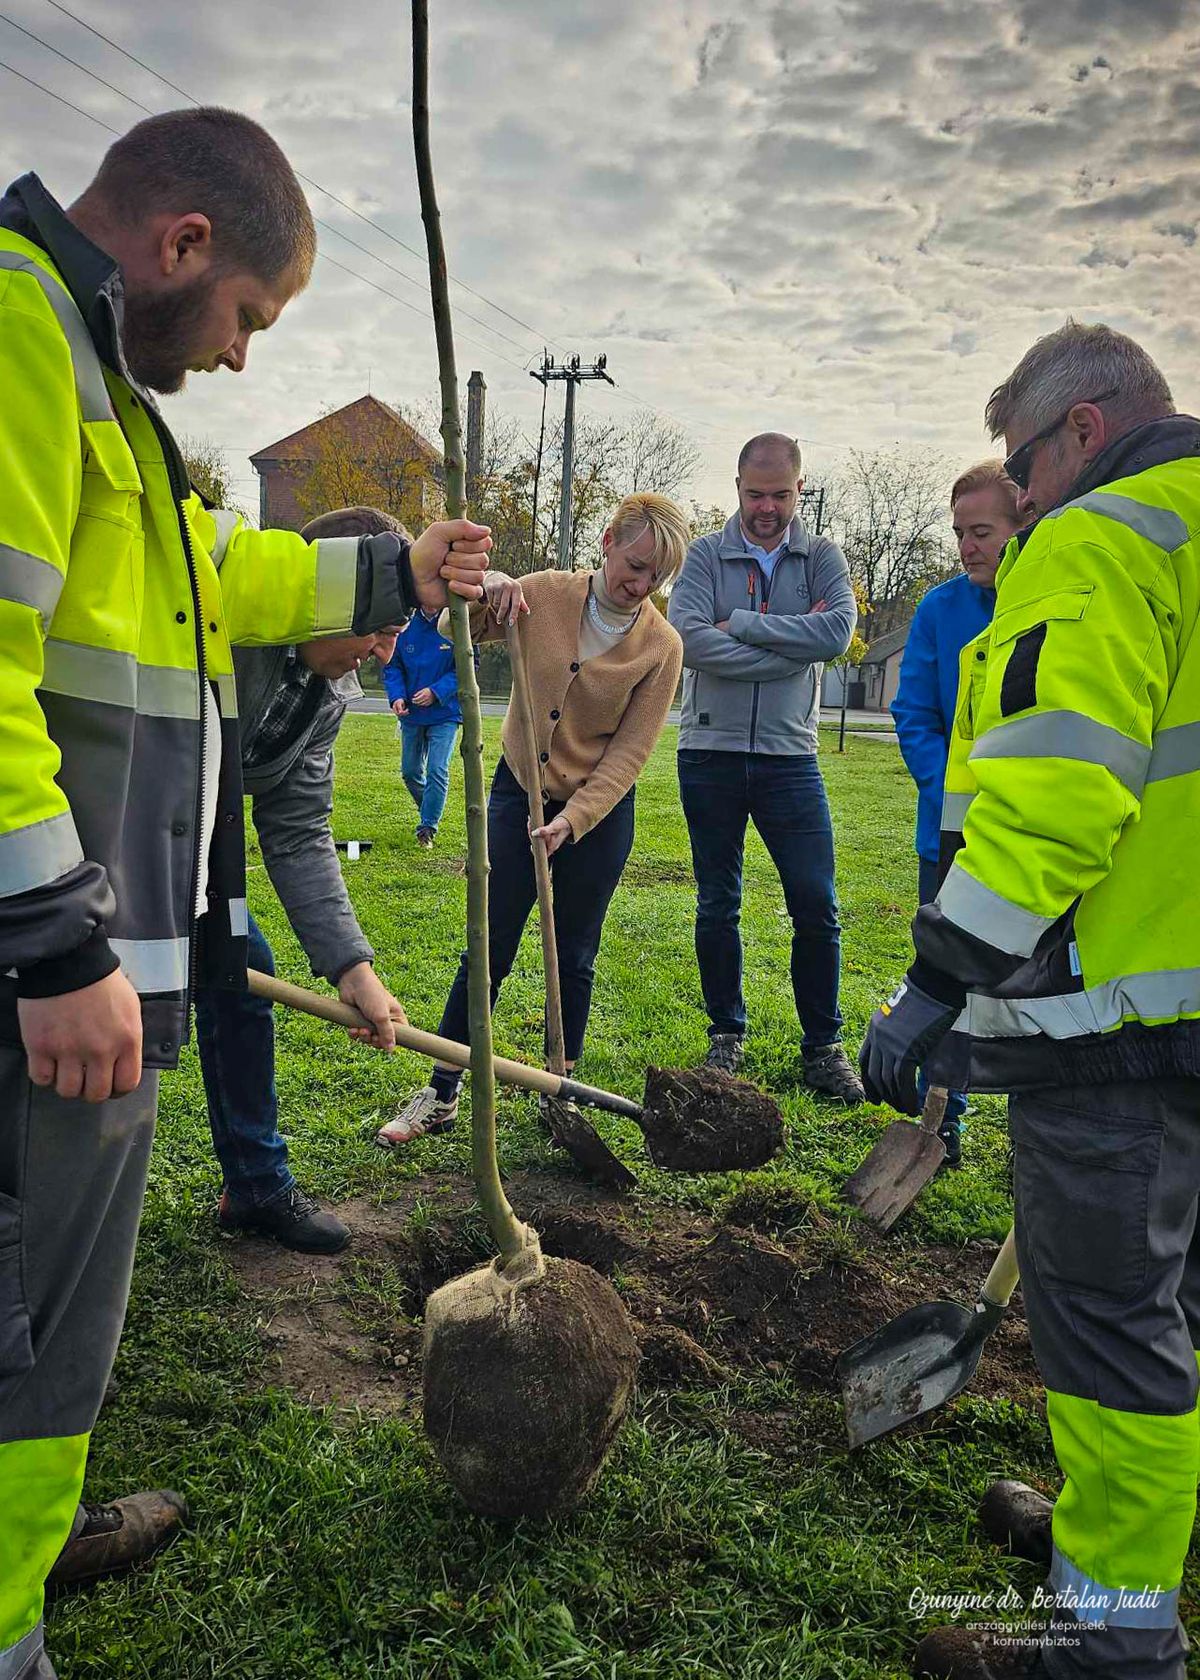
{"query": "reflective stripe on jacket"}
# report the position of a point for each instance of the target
(118, 593)
(1067, 905)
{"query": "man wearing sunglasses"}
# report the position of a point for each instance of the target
(1060, 962)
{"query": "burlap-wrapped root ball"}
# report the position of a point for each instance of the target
(527, 1375)
(704, 1120)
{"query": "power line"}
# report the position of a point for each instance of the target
(488, 349)
(307, 179)
(78, 109)
(121, 94)
(625, 395)
(404, 303)
(328, 226)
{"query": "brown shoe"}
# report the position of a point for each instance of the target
(117, 1536)
(964, 1653)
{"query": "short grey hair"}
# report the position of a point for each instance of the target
(1073, 365)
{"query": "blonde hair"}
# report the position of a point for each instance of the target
(647, 510)
(980, 477)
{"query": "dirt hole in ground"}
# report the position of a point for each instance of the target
(776, 1290)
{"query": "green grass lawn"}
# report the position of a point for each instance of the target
(327, 1545)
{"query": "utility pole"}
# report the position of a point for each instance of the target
(476, 406)
(572, 374)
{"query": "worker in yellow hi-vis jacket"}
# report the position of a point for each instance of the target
(1060, 962)
(121, 848)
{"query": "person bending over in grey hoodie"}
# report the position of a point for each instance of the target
(291, 702)
(760, 605)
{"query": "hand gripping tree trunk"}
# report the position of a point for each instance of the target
(529, 1363)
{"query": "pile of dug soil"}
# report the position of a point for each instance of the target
(779, 1291)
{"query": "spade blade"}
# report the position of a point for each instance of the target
(894, 1173)
(912, 1365)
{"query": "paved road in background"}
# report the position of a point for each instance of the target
(864, 724)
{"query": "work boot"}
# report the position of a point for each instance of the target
(964, 1653)
(726, 1052)
(950, 1132)
(827, 1070)
(293, 1218)
(1017, 1518)
(117, 1536)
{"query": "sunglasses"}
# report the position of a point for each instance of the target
(1018, 464)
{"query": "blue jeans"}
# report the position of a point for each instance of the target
(784, 797)
(927, 887)
(425, 766)
(235, 1034)
(585, 874)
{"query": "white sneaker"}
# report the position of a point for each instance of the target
(423, 1115)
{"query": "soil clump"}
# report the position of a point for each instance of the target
(703, 1120)
(525, 1384)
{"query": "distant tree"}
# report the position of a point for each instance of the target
(645, 452)
(371, 463)
(704, 520)
(612, 459)
(208, 471)
(889, 511)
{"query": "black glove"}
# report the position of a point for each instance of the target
(902, 1033)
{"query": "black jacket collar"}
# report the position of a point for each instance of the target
(92, 277)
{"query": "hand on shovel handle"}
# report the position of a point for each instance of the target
(441, 1049)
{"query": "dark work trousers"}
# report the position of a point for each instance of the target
(235, 1034)
(927, 880)
(1106, 1185)
(784, 797)
(927, 889)
(585, 875)
(72, 1177)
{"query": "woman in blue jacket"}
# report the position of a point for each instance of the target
(423, 689)
(983, 507)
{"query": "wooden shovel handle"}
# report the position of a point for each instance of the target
(411, 1038)
(532, 777)
(1002, 1279)
(934, 1110)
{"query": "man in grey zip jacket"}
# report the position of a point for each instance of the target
(760, 606)
(291, 703)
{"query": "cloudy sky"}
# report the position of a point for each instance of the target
(844, 219)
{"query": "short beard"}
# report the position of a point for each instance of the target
(159, 333)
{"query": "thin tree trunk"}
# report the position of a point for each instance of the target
(512, 1238)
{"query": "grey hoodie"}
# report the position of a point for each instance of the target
(756, 687)
(292, 803)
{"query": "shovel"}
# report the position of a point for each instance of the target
(923, 1358)
(900, 1165)
(664, 1120)
(568, 1127)
(441, 1049)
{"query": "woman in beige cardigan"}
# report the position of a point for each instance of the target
(603, 667)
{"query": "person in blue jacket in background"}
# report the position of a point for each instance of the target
(983, 508)
(421, 684)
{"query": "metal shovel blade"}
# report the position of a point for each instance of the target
(900, 1165)
(913, 1365)
(573, 1132)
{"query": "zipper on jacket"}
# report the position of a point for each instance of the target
(179, 490)
(754, 698)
